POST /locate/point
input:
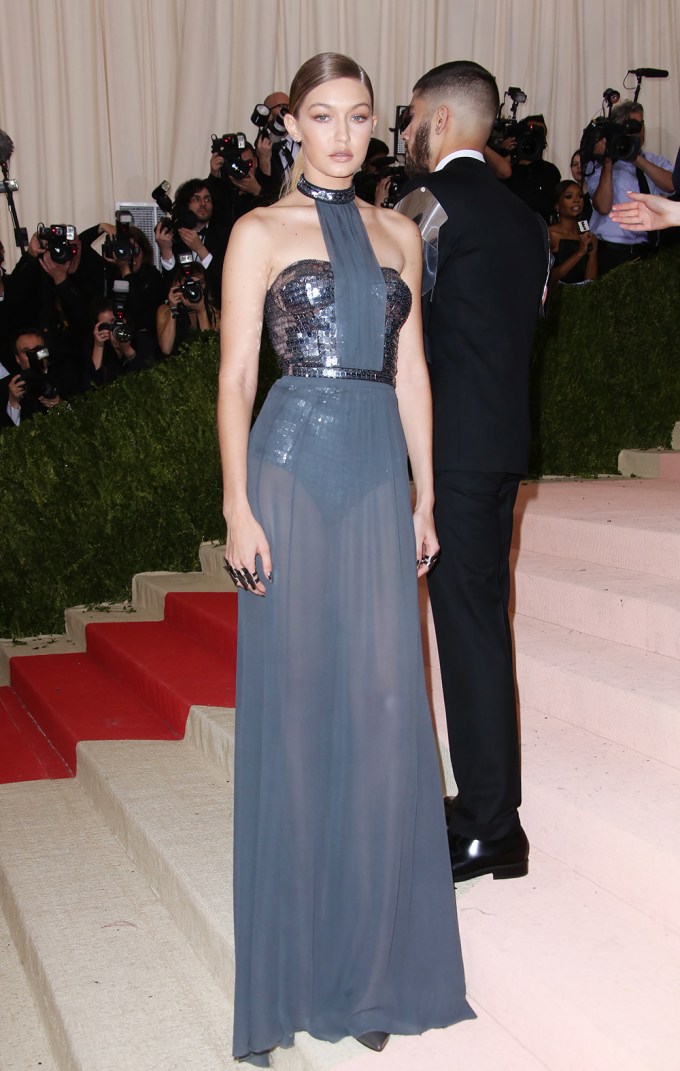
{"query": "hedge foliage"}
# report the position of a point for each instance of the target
(129, 479)
(606, 369)
(125, 481)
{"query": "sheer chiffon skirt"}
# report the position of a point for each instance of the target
(344, 906)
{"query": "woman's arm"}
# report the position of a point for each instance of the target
(415, 402)
(244, 286)
(646, 212)
(166, 323)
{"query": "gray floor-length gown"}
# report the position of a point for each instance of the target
(344, 907)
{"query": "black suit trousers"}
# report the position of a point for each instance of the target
(469, 593)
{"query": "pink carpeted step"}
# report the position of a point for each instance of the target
(167, 668)
(629, 696)
(26, 754)
(209, 617)
(629, 607)
(72, 698)
(630, 524)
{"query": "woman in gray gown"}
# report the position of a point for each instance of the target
(344, 910)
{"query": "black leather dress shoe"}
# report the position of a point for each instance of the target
(504, 857)
(374, 1039)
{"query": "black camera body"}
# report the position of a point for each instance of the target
(397, 176)
(122, 245)
(530, 138)
(230, 147)
(35, 377)
(59, 240)
(268, 127)
(189, 288)
(621, 140)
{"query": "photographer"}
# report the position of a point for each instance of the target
(610, 180)
(189, 307)
(532, 179)
(192, 230)
(32, 385)
(275, 148)
(52, 285)
(128, 255)
(116, 348)
(233, 195)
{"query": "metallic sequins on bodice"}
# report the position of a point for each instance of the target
(300, 314)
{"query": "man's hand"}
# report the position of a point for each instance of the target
(249, 184)
(50, 403)
(193, 242)
(216, 164)
(163, 239)
(263, 148)
(57, 272)
(16, 390)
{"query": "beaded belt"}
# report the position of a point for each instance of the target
(316, 371)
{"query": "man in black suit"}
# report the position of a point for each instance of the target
(489, 263)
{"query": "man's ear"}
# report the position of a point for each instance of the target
(291, 125)
(441, 118)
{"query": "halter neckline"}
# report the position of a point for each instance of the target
(320, 193)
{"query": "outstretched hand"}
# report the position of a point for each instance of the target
(646, 212)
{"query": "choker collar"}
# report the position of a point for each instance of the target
(334, 197)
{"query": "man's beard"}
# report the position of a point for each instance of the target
(417, 160)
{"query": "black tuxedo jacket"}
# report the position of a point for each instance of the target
(480, 319)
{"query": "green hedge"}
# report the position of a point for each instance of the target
(129, 479)
(606, 369)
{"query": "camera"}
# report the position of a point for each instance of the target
(122, 245)
(230, 147)
(529, 134)
(35, 376)
(176, 217)
(621, 141)
(120, 328)
(268, 127)
(59, 239)
(191, 289)
(397, 176)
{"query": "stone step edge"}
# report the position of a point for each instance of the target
(23, 1039)
(650, 464)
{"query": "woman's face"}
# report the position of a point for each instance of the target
(576, 172)
(334, 123)
(570, 204)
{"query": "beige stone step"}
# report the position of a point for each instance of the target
(23, 1040)
(118, 984)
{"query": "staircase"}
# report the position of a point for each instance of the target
(117, 951)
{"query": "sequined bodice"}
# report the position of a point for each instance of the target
(300, 314)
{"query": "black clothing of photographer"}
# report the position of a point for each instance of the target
(147, 288)
(533, 179)
(32, 385)
(194, 233)
(111, 356)
(53, 288)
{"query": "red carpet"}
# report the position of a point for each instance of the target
(136, 681)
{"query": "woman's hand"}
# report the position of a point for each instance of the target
(427, 544)
(245, 541)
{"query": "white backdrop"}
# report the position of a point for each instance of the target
(104, 98)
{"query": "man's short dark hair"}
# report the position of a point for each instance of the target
(26, 331)
(189, 189)
(462, 80)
